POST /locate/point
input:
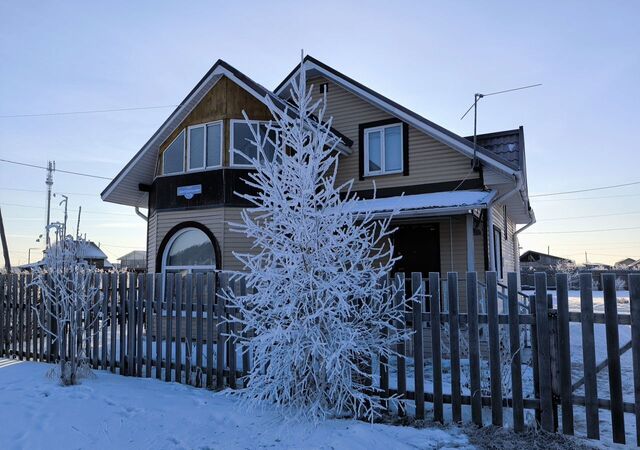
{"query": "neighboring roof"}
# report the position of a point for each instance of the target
(124, 188)
(625, 262)
(530, 255)
(432, 129)
(432, 204)
(136, 254)
(507, 145)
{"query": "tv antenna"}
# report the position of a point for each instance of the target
(474, 106)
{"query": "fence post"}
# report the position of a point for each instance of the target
(181, 281)
(634, 299)
(169, 298)
(188, 333)
(589, 357)
(401, 348)
(474, 348)
(534, 350)
(436, 352)
(544, 345)
(613, 355)
(199, 327)
(149, 301)
(221, 329)
(160, 297)
(494, 348)
(514, 341)
(384, 359)
(454, 346)
(564, 352)
(211, 297)
(418, 354)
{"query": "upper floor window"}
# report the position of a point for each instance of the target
(243, 148)
(383, 149)
(204, 146)
(173, 156)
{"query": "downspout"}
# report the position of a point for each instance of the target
(141, 215)
(506, 195)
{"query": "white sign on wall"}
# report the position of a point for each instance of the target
(189, 191)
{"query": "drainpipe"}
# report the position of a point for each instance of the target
(145, 218)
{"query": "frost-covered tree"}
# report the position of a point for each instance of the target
(317, 309)
(71, 301)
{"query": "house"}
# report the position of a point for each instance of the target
(624, 263)
(135, 261)
(88, 251)
(537, 261)
(460, 208)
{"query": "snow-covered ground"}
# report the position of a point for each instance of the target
(117, 412)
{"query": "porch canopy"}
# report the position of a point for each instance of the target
(422, 205)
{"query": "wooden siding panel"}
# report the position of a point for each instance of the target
(429, 160)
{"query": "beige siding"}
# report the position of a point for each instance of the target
(215, 219)
(429, 160)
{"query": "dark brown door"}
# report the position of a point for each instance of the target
(419, 248)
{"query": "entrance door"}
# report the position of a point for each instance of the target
(419, 248)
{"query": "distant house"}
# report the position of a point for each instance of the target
(634, 265)
(625, 263)
(88, 252)
(135, 261)
(532, 260)
(459, 208)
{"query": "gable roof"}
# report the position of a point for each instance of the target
(430, 128)
(124, 188)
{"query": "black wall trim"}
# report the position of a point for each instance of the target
(218, 187)
(422, 188)
(181, 226)
(379, 123)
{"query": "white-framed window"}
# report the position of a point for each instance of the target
(242, 149)
(189, 250)
(383, 147)
(497, 252)
(173, 156)
(204, 146)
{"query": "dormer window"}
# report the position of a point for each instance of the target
(243, 150)
(383, 150)
(173, 156)
(204, 146)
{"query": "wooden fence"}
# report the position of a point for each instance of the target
(172, 329)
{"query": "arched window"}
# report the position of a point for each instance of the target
(189, 250)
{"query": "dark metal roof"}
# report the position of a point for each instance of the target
(506, 145)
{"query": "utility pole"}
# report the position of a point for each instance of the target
(548, 250)
(586, 260)
(51, 167)
(78, 225)
(5, 249)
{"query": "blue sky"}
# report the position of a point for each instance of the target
(580, 126)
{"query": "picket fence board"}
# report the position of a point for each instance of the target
(418, 361)
(613, 355)
(515, 353)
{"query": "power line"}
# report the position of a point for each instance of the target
(586, 198)
(90, 111)
(589, 217)
(586, 190)
(71, 210)
(584, 231)
(35, 166)
(40, 191)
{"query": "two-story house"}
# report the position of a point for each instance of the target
(459, 206)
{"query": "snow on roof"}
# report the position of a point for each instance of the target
(436, 202)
